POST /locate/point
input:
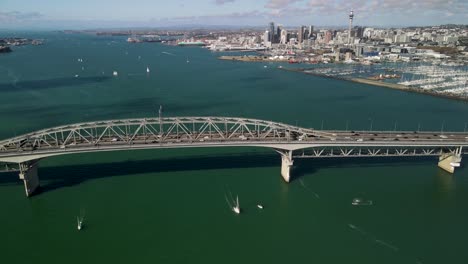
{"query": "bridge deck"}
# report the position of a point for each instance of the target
(219, 132)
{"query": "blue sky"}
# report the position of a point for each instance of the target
(148, 13)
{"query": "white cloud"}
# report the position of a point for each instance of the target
(280, 4)
(222, 2)
(16, 17)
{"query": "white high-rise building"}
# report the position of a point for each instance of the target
(266, 38)
(284, 36)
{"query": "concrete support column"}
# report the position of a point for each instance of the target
(449, 161)
(28, 173)
(286, 164)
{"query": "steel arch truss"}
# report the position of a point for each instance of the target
(156, 130)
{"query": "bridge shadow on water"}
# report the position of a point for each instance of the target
(50, 83)
(310, 166)
(69, 175)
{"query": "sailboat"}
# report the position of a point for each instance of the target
(147, 70)
(236, 208)
(79, 222)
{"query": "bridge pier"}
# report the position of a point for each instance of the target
(286, 163)
(28, 173)
(449, 161)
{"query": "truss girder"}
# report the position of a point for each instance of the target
(154, 129)
(376, 152)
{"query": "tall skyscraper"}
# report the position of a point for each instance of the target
(358, 32)
(278, 33)
(311, 31)
(351, 17)
(300, 34)
(272, 32)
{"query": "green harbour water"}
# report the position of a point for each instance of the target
(168, 206)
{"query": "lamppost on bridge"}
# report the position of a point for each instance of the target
(419, 126)
(371, 122)
(394, 128)
(160, 119)
(347, 123)
(442, 127)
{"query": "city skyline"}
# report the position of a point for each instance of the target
(144, 13)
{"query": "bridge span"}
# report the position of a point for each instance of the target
(290, 142)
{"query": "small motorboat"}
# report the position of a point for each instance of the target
(260, 206)
(356, 201)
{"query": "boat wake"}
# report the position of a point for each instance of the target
(232, 203)
(136, 74)
(168, 53)
(80, 220)
(307, 188)
(373, 238)
(386, 244)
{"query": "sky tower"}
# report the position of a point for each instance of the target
(351, 16)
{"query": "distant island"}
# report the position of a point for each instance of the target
(5, 43)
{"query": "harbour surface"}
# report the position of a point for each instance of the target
(168, 206)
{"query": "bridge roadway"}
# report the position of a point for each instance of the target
(181, 132)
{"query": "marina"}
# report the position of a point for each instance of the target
(447, 82)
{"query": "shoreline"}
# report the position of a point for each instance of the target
(393, 86)
(250, 58)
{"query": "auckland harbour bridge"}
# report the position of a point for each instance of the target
(23, 153)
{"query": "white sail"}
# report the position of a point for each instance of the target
(147, 70)
(236, 208)
(79, 223)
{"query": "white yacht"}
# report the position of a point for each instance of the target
(115, 73)
(356, 201)
(260, 206)
(147, 70)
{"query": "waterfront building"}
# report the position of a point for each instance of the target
(348, 56)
